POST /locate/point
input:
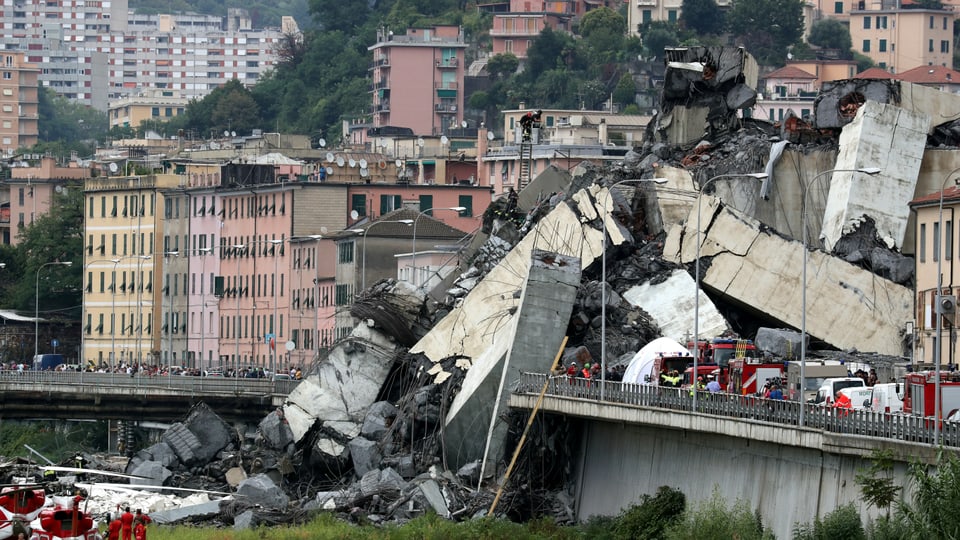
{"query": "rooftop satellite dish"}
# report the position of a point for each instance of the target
(226, 133)
(490, 135)
(363, 164)
(463, 124)
(113, 167)
(444, 140)
(58, 189)
(323, 230)
(399, 163)
(329, 170)
(353, 162)
(420, 142)
(354, 214)
(364, 172)
(330, 157)
(233, 133)
(339, 161)
(322, 142)
(383, 143)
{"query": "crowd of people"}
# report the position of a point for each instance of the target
(127, 525)
(594, 371)
(132, 369)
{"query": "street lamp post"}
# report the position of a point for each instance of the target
(603, 278)
(363, 271)
(275, 327)
(413, 275)
(203, 263)
(696, 297)
(938, 352)
(170, 323)
(803, 299)
(36, 314)
(236, 323)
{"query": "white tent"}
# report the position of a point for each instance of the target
(642, 363)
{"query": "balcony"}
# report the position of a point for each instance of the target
(447, 63)
(446, 108)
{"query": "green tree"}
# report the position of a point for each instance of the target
(337, 15)
(626, 91)
(701, 16)
(651, 517)
(831, 34)
(548, 51)
(659, 36)
(876, 483)
(502, 65)
(603, 31)
(767, 28)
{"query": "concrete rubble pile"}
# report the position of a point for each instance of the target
(408, 414)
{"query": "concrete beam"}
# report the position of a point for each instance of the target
(884, 136)
(671, 305)
(847, 307)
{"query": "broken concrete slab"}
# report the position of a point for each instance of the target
(183, 442)
(261, 489)
(847, 307)
(779, 342)
(152, 473)
(275, 431)
(347, 383)
(837, 102)
(379, 417)
(199, 510)
(211, 432)
(883, 136)
(431, 491)
(671, 304)
(365, 455)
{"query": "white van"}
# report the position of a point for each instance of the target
(827, 394)
(887, 397)
(854, 397)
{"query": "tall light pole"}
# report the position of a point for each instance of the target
(203, 276)
(803, 299)
(236, 323)
(36, 314)
(603, 277)
(696, 297)
(413, 274)
(275, 327)
(938, 352)
(363, 271)
(169, 288)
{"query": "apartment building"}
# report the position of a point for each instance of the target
(418, 79)
(18, 102)
(94, 52)
(30, 190)
(514, 31)
(898, 39)
(152, 104)
(643, 12)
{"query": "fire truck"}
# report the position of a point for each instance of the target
(747, 376)
(920, 396)
(721, 351)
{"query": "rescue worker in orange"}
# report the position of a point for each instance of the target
(113, 530)
(140, 525)
(126, 524)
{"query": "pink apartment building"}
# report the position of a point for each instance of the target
(514, 31)
(418, 79)
(30, 191)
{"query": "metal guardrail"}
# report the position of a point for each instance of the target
(120, 383)
(903, 427)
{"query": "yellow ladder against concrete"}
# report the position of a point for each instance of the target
(526, 430)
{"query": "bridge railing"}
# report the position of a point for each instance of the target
(123, 382)
(746, 408)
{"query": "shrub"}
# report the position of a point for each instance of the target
(650, 518)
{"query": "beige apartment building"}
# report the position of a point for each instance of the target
(19, 103)
(898, 40)
(123, 268)
(153, 104)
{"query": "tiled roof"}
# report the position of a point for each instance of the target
(931, 75)
(789, 72)
(951, 194)
(875, 73)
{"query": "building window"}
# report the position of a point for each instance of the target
(948, 240)
(466, 201)
(930, 46)
(923, 242)
(672, 15)
(358, 204)
(936, 242)
(945, 46)
(882, 45)
(341, 297)
(838, 7)
(647, 16)
(389, 203)
(508, 45)
(866, 45)
(345, 252)
(426, 204)
(866, 23)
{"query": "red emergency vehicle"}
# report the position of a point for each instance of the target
(747, 376)
(920, 396)
(721, 351)
(666, 363)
